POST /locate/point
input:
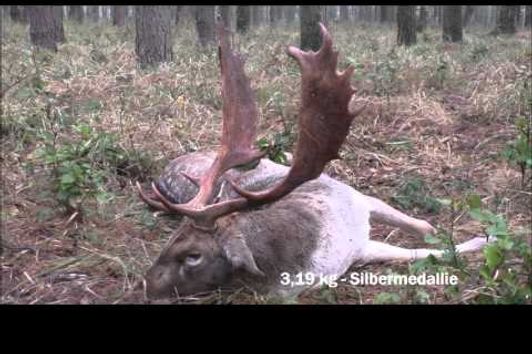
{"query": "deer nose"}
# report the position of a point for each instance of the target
(156, 284)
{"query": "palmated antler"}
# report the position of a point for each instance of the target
(324, 118)
(324, 122)
(238, 136)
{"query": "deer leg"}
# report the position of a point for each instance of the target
(381, 252)
(383, 213)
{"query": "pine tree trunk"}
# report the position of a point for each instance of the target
(310, 16)
(327, 15)
(275, 14)
(177, 14)
(438, 14)
(42, 27)
(516, 15)
(386, 13)
(18, 14)
(75, 13)
(505, 23)
(344, 13)
(243, 18)
(289, 14)
(406, 25)
(468, 14)
(205, 24)
(153, 40)
(119, 15)
(422, 20)
(452, 23)
(256, 15)
(93, 13)
(225, 14)
(59, 30)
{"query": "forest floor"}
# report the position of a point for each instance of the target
(80, 126)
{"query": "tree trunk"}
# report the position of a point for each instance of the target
(256, 16)
(243, 18)
(177, 14)
(422, 19)
(468, 13)
(327, 15)
(103, 10)
(275, 14)
(18, 14)
(344, 13)
(528, 16)
(310, 16)
(517, 15)
(75, 13)
(59, 30)
(505, 20)
(438, 15)
(93, 13)
(452, 23)
(42, 27)
(289, 14)
(225, 14)
(386, 13)
(406, 25)
(205, 24)
(119, 15)
(153, 41)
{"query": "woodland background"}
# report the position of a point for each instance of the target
(97, 97)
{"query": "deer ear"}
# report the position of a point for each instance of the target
(239, 255)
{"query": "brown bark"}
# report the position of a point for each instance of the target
(422, 19)
(386, 14)
(153, 40)
(75, 13)
(310, 16)
(406, 25)
(18, 14)
(119, 14)
(344, 13)
(93, 13)
(243, 18)
(225, 14)
(256, 15)
(506, 16)
(275, 14)
(468, 13)
(205, 24)
(289, 14)
(59, 30)
(452, 24)
(42, 27)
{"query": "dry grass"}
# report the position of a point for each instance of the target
(441, 113)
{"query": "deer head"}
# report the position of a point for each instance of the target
(208, 249)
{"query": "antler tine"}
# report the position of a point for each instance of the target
(150, 201)
(324, 118)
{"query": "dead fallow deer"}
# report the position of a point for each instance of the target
(247, 227)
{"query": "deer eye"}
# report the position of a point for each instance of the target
(193, 259)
